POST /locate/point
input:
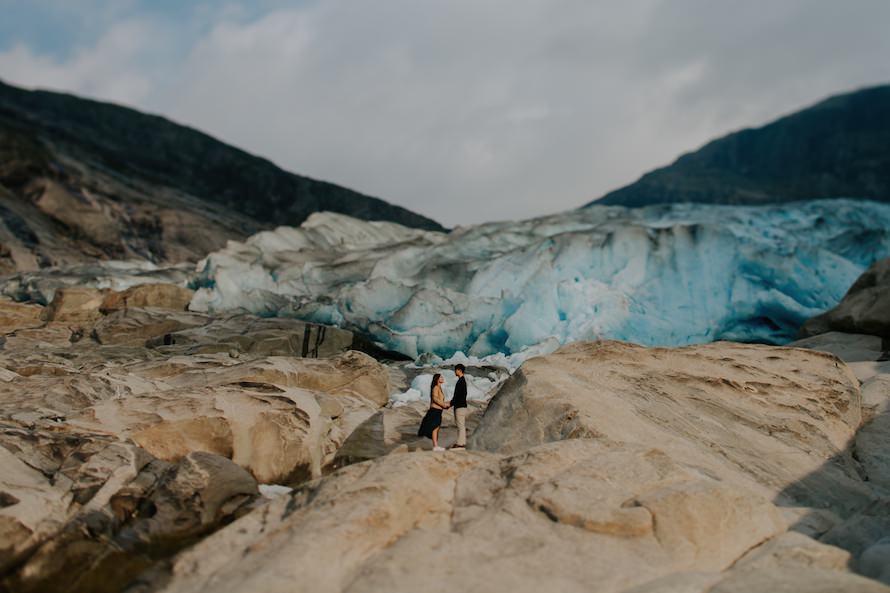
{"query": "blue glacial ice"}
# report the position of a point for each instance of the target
(662, 275)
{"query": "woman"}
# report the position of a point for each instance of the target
(429, 426)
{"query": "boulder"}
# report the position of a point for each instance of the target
(281, 418)
(280, 435)
(873, 449)
(15, 316)
(875, 561)
(75, 305)
(850, 348)
(768, 580)
(157, 296)
(865, 309)
(784, 415)
(544, 519)
(609, 467)
(83, 512)
(795, 550)
(795, 580)
(352, 374)
(811, 522)
(865, 356)
(136, 326)
(79, 213)
(876, 395)
(868, 527)
(114, 455)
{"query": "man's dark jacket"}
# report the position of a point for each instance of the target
(460, 394)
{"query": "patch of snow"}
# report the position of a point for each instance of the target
(274, 490)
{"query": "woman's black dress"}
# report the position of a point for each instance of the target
(431, 421)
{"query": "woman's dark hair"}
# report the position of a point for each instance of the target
(435, 382)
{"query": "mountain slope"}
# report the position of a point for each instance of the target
(839, 147)
(81, 179)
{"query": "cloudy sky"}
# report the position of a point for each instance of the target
(463, 110)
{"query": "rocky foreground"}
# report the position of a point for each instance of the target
(603, 467)
(134, 435)
(130, 427)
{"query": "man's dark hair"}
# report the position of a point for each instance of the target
(460, 367)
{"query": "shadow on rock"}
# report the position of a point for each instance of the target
(846, 502)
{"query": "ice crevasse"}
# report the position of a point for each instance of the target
(661, 275)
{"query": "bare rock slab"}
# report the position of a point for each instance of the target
(537, 520)
(753, 414)
(85, 513)
(155, 295)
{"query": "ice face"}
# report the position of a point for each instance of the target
(663, 275)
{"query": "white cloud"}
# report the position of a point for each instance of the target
(474, 110)
(112, 68)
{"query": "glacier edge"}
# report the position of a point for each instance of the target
(663, 275)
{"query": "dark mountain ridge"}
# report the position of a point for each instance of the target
(839, 147)
(82, 179)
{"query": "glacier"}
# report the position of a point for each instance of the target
(662, 275)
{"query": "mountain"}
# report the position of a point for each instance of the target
(82, 179)
(837, 148)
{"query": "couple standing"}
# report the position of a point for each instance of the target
(429, 426)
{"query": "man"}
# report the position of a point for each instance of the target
(459, 403)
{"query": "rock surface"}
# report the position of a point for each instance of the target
(875, 561)
(777, 413)
(159, 296)
(866, 356)
(866, 533)
(84, 513)
(75, 305)
(138, 326)
(259, 336)
(15, 316)
(281, 418)
(128, 433)
(607, 467)
(865, 309)
(488, 519)
(131, 436)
